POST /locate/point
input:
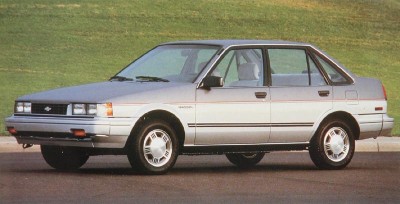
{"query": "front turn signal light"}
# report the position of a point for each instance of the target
(109, 109)
(78, 132)
(12, 130)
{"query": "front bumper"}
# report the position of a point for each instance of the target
(51, 130)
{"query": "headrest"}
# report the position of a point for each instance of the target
(248, 71)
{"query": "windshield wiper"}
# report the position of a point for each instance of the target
(120, 78)
(151, 78)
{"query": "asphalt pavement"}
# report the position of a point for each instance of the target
(281, 177)
(381, 144)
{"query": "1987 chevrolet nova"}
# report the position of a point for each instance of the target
(241, 98)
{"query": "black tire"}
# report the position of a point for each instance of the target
(154, 149)
(245, 160)
(64, 158)
(332, 151)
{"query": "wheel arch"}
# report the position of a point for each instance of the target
(347, 118)
(164, 115)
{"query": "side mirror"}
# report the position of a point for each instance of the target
(212, 81)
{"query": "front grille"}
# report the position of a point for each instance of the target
(55, 109)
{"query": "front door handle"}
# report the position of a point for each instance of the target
(324, 93)
(261, 94)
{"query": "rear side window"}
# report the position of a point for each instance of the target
(333, 74)
(293, 67)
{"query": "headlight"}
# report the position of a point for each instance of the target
(79, 109)
(23, 107)
(84, 109)
(91, 109)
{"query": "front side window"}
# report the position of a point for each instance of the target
(293, 67)
(241, 68)
(177, 63)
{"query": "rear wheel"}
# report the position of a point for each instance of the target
(154, 149)
(64, 158)
(333, 145)
(245, 160)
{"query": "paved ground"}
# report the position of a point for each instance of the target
(382, 144)
(371, 177)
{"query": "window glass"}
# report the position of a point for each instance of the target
(178, 63)
(241, 68)
(166, 61)
(227, 68)
(291, 67)
(333, 74)
(316, 77)
(203, 57)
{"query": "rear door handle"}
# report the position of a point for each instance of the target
(324, 93)
(261, 94)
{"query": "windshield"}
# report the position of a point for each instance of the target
(176, 63)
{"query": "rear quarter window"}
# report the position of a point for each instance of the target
(334, 75)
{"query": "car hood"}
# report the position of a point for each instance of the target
(111, 91)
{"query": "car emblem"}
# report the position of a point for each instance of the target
(47, 109)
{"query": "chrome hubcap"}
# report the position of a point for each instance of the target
(157, 148)
(336, 144)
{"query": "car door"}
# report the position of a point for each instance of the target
(300, 95)
(238, 112)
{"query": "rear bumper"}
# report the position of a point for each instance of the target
(101, 132)
(372, 126)
(387, 126)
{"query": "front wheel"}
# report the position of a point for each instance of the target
(333, 145)
(64, 158)
(154, 149)
(245, 160)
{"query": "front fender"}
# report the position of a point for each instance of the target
(185, 113)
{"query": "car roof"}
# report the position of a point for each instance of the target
(237, 42)
(233, 42)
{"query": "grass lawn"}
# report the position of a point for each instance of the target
(50, 44)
